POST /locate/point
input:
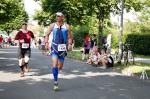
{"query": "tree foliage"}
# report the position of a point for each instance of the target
(12, 13)
(74, 11)
(78, 12)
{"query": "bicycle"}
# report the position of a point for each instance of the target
(116, 56)
(128, 55)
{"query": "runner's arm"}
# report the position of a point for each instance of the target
(69, 37)
(50, 28)
(16, 40)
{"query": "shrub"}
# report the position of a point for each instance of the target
(140, 43)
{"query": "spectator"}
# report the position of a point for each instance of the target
(108, 42)
(86, 46)
(94, 56)
(43, 45)
(105, 59)
(93, 41)
(9, 41)
(1, 41)
(39, 43)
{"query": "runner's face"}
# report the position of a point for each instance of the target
(24, 26)
(59, 18)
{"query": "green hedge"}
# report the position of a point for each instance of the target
(140, 43)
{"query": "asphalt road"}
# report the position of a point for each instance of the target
(77, 81)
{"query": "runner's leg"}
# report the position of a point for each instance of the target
(55, 70)
(26, 59)
(21, 61)
(60, 64)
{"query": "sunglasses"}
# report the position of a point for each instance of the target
(24, 24)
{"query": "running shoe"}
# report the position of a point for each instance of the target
(56, 88)
(21, 74)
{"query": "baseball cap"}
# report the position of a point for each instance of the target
(59, 14)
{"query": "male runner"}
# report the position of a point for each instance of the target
(61, 36)
(23, 38)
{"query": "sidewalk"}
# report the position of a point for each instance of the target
(143, 60)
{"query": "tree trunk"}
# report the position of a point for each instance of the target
(121, 33)
(100, 33)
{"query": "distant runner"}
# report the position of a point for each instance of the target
(23, 38)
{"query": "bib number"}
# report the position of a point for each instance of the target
(25, 45)
(62, 47)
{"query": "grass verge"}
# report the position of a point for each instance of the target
(136, 68)
(74, 55)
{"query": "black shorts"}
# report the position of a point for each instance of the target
(24, 52)
(86, 51)
(42, 47)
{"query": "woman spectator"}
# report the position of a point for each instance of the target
(1, 41)
(86, 46)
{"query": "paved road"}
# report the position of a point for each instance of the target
(78, 80)
(143, 60)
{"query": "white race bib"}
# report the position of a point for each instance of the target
(62, 47)
(25, 45)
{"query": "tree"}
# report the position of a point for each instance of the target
(73, 10)
(103, 8)
(42, 17)
(12, 13)
(78, 11)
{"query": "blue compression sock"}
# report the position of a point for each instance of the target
(55, 73)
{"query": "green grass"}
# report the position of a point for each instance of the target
(136, 68)
(74, 55)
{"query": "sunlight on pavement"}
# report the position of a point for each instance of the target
(6, 52)
(8, 58)
(90, 74)
(2, 90)
(9, 76)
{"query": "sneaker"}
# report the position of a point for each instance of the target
(56, 87)
(21, 74)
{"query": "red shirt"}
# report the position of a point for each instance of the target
(1, 39)
(24, 36)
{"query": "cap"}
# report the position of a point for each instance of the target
(59, 14)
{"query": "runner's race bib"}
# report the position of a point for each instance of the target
(25, 45)
(62, 47)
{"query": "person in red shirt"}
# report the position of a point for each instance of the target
(1, 41)
(23, 38)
